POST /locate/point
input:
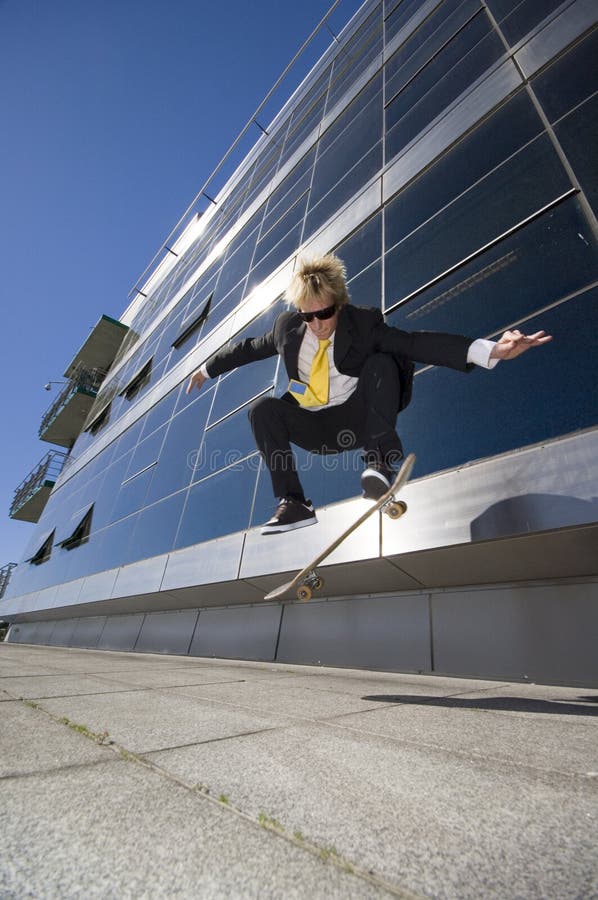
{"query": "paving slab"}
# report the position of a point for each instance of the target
(132, 833)
(180, 676)
(146, 720)
(37, 687)
(440, 824)
(32, 742)
(566, 745)
(274, 698)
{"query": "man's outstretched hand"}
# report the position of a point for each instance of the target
(196, 380)
(514, 343)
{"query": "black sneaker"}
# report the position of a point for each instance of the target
(290, 514)
(376, 480)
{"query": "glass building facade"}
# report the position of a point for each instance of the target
(446, 151)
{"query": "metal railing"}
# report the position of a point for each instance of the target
(86, 380)
(48, 469)
(5, 573)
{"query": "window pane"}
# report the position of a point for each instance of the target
(219, 505)
(366, 288)
(491, 143)
(517, 17)
(569, 80)
(160, 413)
(429, 38)
(238, 387)
(177, 457)
(578, 135)
(440, 82)
(225, 443)
(344, 189)
(363, 247)
(355, 56)
(289, 190)
(511, 193)
(454, 418)
(156, 528)
(534, 267)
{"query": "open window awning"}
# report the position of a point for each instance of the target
(75, 529)
(42, 547)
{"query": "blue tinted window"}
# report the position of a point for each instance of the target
(553, 256)
(112, 544)
(578, 133)
(427, 40)
(550, 391)
(363, 247)
(441, 81)
(178, 454)
(344, 189)
(156, 528)
(491, 143)
(517, 17)
(289, 190)
(366, 288)
(226, 442)
(569, 80)
(219, 505)
(160, 413)
(131, 495)
(241, 385)
(508, 195)
(355, 56)
(350, 137)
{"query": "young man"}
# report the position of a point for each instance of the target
(349, 376)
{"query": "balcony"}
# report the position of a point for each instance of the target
(5, 573)
(99, 350)
(32, 494)
(63, 421)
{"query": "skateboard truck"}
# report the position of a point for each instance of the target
(303, 585)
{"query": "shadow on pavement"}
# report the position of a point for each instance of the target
(581, 706)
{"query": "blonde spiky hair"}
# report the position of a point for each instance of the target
(318, 277)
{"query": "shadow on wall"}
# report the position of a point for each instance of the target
(533, 512)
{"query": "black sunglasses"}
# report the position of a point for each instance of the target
(326, 313)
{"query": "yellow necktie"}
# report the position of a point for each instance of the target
(318, 377)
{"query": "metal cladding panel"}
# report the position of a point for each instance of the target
(544, 487)
(44, 632)
(62, 633)
(567, 553)
(143, 577)
(88, 631)
(67, 594)
(120, 632)
(389, 633)
(21, 633)
(293, 548)
(212, 561)
(167, 632)
(543, 633)
(98, 587)
(238, 632)
(557, 34)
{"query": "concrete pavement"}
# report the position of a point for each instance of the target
(136, 775)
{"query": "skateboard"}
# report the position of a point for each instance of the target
(307, 580)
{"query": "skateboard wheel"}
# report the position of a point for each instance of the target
(396, 509)
(318, 584)
(304, 592)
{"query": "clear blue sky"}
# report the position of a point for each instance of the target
(113, 113)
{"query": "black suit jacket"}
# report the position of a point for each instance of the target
(360, 332)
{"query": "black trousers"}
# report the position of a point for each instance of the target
(367, 419)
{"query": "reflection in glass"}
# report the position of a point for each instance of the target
(219, 505)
